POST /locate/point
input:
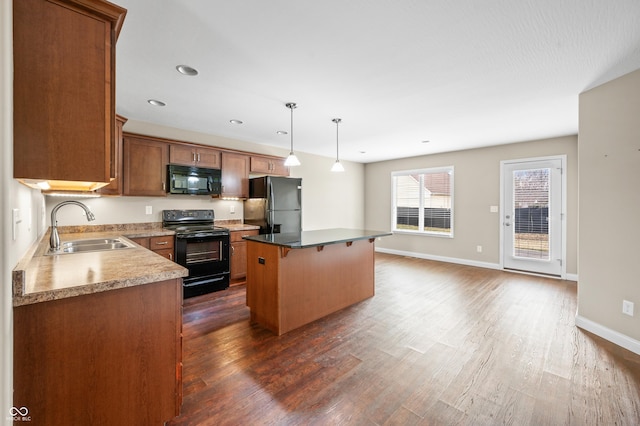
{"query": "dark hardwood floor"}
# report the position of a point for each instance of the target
(438, 344)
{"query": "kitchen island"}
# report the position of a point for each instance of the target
(294, 279)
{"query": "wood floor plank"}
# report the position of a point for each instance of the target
(438, 344)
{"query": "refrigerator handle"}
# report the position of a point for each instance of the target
(271, 198)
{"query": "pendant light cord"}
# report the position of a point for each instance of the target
(337, 143)
(291, 106)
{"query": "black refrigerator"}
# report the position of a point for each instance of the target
(274, 204)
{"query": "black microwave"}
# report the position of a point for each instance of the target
(193, 180)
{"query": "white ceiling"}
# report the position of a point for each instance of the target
(460, 74)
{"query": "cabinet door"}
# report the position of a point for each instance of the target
(115, 187)
(235, 175)
(64, 90)
(278, 167)
(143, 241)
(167, 253)
(182, 154)
(188, 155)
(260, 164)
(145, 167)
(269, 166)
(238, 260)
(208, 158)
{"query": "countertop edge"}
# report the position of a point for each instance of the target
(25, 266)
(295, 245)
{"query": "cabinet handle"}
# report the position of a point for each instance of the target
(198, 157)
(163, 187)
(162, 243)
(170, 256)
(233, 250)
(194, 156)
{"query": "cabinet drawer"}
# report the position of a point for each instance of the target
(237, 235)
(162, 242)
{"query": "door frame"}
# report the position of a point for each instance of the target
(563, 212)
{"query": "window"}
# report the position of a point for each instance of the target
(423, 201)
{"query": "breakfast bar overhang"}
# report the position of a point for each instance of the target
(294, 279)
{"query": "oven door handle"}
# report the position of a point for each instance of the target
(201, 235)
(209, 281)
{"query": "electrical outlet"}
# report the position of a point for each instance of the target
(148, 210)
(479, 249)
(232, 209)
(627, 308)
(493, 209)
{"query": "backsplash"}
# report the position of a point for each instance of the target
(125, 227)
(128, 210)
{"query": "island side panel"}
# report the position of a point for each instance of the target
(111, 357)
(315, 283)
(263, 284)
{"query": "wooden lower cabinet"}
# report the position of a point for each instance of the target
(288, 288)
(239, 255)
(162, 245)
(108, 358)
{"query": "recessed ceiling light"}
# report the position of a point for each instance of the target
(187, 70)
(363, 152)
(234, 121)
(426, 141)
(282, 132)
(156, 102)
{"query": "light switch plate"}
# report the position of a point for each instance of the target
(15, 220)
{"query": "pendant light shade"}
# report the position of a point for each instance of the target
(291, 160)
(337, 166)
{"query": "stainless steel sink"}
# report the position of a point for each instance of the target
(89, 245)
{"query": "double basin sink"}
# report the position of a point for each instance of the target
(89, 245)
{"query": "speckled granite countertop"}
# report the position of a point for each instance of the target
(39, 278)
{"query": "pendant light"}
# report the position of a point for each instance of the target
(291, 160)
(337, 166)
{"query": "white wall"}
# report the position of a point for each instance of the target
(476, 188)
(29, 203)
(609, 152)
(329, 200)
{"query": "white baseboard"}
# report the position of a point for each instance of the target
(569, 277)
(440, 258)
(608, 334)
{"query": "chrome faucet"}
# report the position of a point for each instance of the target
(54, 239)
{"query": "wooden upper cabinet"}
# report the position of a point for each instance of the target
(116, 185)
(145, 166)
(64, 89)
(190, 155)
(269, 165)
(235, 175)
